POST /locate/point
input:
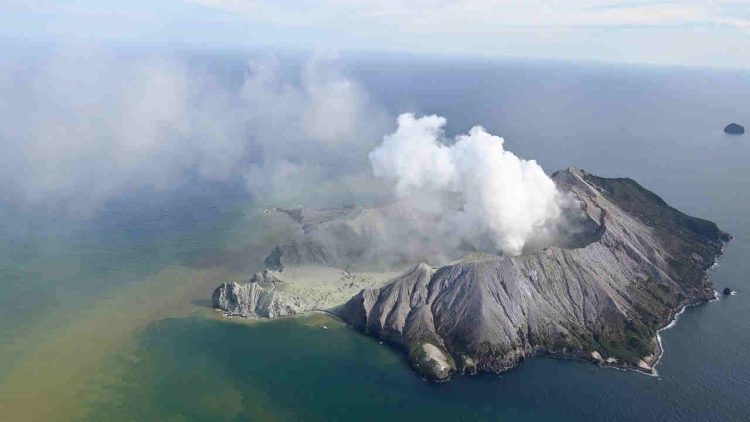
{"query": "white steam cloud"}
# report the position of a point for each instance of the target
(504, 197)
(79, 126)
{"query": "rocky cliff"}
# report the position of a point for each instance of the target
(603, 299)
(259, 297)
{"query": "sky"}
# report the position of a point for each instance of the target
(684, 32)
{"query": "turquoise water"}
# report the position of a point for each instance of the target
(659, 126)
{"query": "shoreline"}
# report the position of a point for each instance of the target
(223, 315)
(659, 349)
(647, 365)
(673, 321)
(652, 372)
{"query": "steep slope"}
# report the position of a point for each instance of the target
(634, 263)
(259, 297)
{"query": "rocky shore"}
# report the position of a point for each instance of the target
(634, 264)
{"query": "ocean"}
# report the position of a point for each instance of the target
(107, 317)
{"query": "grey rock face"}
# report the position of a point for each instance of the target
(637, 262)
(257, 298)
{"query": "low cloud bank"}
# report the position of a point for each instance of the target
(80, 127)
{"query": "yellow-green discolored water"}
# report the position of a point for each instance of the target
(62, 369)
(73, 299)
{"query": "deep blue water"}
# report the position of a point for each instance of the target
(660, 126)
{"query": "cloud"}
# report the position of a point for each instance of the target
(468, 16)
(499, 196)
(318, 128)
(80, 127)
(691, 32)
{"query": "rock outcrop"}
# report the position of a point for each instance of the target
(256, 298)
(734, 129)
(271, 294)
(603, 299)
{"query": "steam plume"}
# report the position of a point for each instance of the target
(500, 195)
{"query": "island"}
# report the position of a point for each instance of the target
(734, 129)
(601, 294)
